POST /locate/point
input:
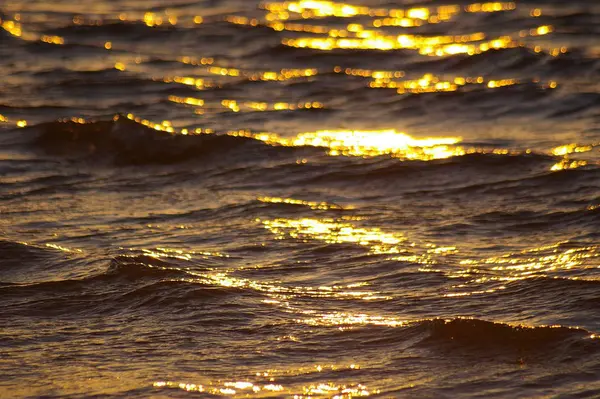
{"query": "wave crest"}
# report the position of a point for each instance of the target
(130, 143)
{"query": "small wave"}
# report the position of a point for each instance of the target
(133, 142)
(469, 336)
(488, 339)
(475, 332)
(128, 142)
(132, 270)
(142, 266)
(174, 293)
(22, 262)
(547, 290)
(119, 29)
(129, 282)
(493, 340)
(441, 170)
(15, 252)
(534, 221)
(545, 183)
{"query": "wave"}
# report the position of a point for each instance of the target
(118, 29)
(130, 281)
(14, 254)
(125, 142)
(143, 283)
(121, 268)
(567, 193)
(22, 262)
(460, 336)
(521, 221)
(475, 168)
(492, 336)
(128, 142)
(546, 290)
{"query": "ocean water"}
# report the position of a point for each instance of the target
(299, 199)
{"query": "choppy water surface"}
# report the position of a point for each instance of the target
(299, 199)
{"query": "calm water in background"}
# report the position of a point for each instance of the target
(300, 199)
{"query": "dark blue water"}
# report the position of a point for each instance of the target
(299, 199)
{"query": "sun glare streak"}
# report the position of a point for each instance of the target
(336, 232)
(352, 143)
(264, 383)
(557, 260)
(342, 319)
(437, 46)
(368, 143)
(311, 204)
(565, 164)
(358, 36)
(565, 151)
(15, 29)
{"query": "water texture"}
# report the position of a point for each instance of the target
(226, 198)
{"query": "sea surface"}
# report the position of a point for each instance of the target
(299, 199)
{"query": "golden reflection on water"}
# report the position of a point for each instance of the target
(152, 19)
(56, 247)
(283, 74)
(510, 267)
(259, 106)
(15, 28)
(198, 102)
(428, 83)
(438, 46)
(196, 61)
(566, 162)
(281, 106)
(189, 81)
(63, 248)
(571, 148)
(350, 143)
(285, 16)
(368, 143)
(164, 126)
(336, 232)
(376, 241)
(545, 261)
(358, 36)
(310, 204)
(120, 66)
(432, 46)
(266, 384)
(12, 27)
(17, 123)
(317, 8)
(208, 63)
(279, 294)
(345, 320)
(490, 7)
(159, 253)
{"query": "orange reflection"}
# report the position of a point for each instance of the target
(333, 231)
(432, 45)
(264, 384)
(544, 261)
(310, 204)
(15, 29)
(368, 143)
